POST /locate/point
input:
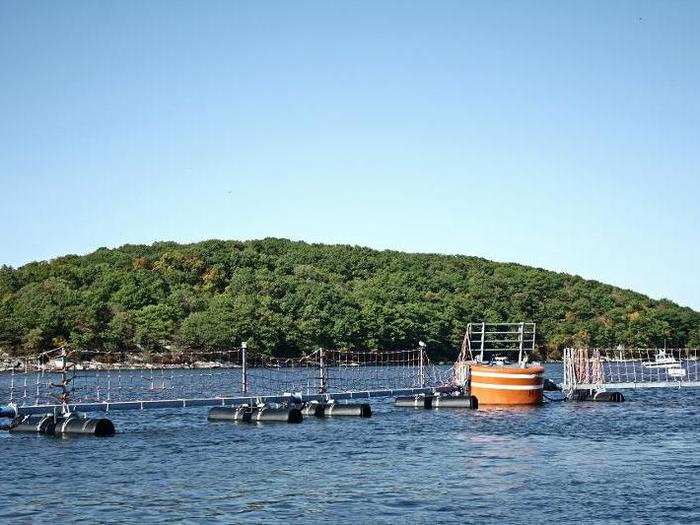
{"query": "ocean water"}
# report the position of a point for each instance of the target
(633, 462)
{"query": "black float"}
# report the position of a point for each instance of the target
(63, 425)
(550, 386)
(437, 401)
(420, 401)
(337, 410)
(248, 414)
(602, 397)
(455, 401)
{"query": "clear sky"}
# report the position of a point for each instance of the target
(564, 135)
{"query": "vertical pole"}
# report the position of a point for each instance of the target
(483, 336)
(244, 369)
(566, 369)
(12, 383)
(520, 341)
(322, 368)
(26, 373)
(421, 372)
(466, 343)
(64, 382)
(36, 397)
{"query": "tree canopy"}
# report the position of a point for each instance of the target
(286, 297)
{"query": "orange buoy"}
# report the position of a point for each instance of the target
(505, 385)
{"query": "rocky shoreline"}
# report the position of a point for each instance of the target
(16, 365)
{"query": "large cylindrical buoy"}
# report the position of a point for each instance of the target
(505, 385)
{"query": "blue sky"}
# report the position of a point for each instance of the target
(564, 135)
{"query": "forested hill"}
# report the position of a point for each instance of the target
(285, 297)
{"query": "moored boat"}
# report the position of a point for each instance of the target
(662, 360)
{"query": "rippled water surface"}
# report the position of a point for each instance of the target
(634, 462)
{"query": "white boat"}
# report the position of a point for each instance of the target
(676, 372)
(500, 360)
(661, 360)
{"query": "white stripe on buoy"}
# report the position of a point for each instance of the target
(479, 373)
(506, 387)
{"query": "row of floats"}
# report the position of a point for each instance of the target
(77, 424)
(296, 414)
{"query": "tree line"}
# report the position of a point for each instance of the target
(285, 297)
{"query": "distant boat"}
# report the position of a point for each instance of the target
(676, 372)
(661, 360)
(500, 360)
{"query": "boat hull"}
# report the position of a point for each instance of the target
(503, 385)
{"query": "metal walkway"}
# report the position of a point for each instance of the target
(212, 402)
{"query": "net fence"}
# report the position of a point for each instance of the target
(67, 376)
(597, 368)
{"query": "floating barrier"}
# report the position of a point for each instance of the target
(420, 401)
(248, 414)
(337, 409)
(505, 385)
(601, 397)
(57, 426)
(7, 412)
(455, 402)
